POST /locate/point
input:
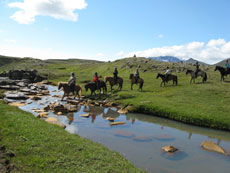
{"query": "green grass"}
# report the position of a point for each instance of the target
(42, 147)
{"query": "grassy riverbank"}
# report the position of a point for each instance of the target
(199, 104)
(41, 147)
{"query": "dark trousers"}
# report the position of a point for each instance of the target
(72, 88)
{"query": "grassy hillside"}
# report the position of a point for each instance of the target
(199, 104)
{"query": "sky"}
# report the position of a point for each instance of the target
(114, 29)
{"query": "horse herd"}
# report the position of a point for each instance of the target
(101, 86)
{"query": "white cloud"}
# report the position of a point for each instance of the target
(212, 52)
(100, 54)
(9, 40)
(121, 53)
(160, 36)
(1, 30)
(213, 43)
(59, 9)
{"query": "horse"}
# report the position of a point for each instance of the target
(222, 71)
(93, 87)
(67, 89)
(164, 80)
(112, 82)
(133, 81)
(193, 75)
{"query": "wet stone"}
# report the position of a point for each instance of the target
(211, 146)
(142, 139)
(164, 137)
(122, 133)
(15, 95)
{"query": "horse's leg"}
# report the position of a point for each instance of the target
(191, 81)
(63, 97)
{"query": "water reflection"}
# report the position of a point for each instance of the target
(141, 139)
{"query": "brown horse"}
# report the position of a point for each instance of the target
(112, 82)
(170, 77)
(67, 89)
(140, 81)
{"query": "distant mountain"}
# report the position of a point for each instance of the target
(222, 63)
(193, 61)
(166, 59)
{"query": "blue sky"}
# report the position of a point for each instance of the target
(113, 29)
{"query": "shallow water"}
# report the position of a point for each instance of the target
(141, 138)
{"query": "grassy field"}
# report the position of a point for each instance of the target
(199, 104)
(42, 147)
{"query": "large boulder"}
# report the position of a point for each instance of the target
(15, 95)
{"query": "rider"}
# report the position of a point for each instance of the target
(136, 75)
(227, 66)
(96, 79)
(197, 68)
(72, 81)
(115, 74)
(167, 73)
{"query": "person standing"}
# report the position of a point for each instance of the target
(72, 82)
(115, 75)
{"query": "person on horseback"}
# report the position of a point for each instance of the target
(197, 68)
(167, 73)
(115, 74)
(96, 79)
(136, 75)
(72, 82)
(226, 66)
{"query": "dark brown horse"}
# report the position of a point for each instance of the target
(193, 75)
(140, 81)
(112, 82)
(68, 90)
(223, 72)
(94, 87)
(164, 79)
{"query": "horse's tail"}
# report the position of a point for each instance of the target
(141, 84)
(205, 76)
(105, 88)
(176, 80)
(121, 83)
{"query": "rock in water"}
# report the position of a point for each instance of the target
(117, 123)
(211, 146)
(122, 111)
(170, 149)
(53, 120)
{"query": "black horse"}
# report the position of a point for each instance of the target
(93, 87)
(223, 72)
(164, 79)
(193, 75)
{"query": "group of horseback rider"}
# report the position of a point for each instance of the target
(72, 79)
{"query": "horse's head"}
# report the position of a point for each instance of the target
(105, 79)
(215, 68)
(131, 76)
(158, 75)
(86, 87)
(60, 85)
(187, 71)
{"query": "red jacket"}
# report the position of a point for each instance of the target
(95, 79)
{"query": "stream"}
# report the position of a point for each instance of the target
(141, 138)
